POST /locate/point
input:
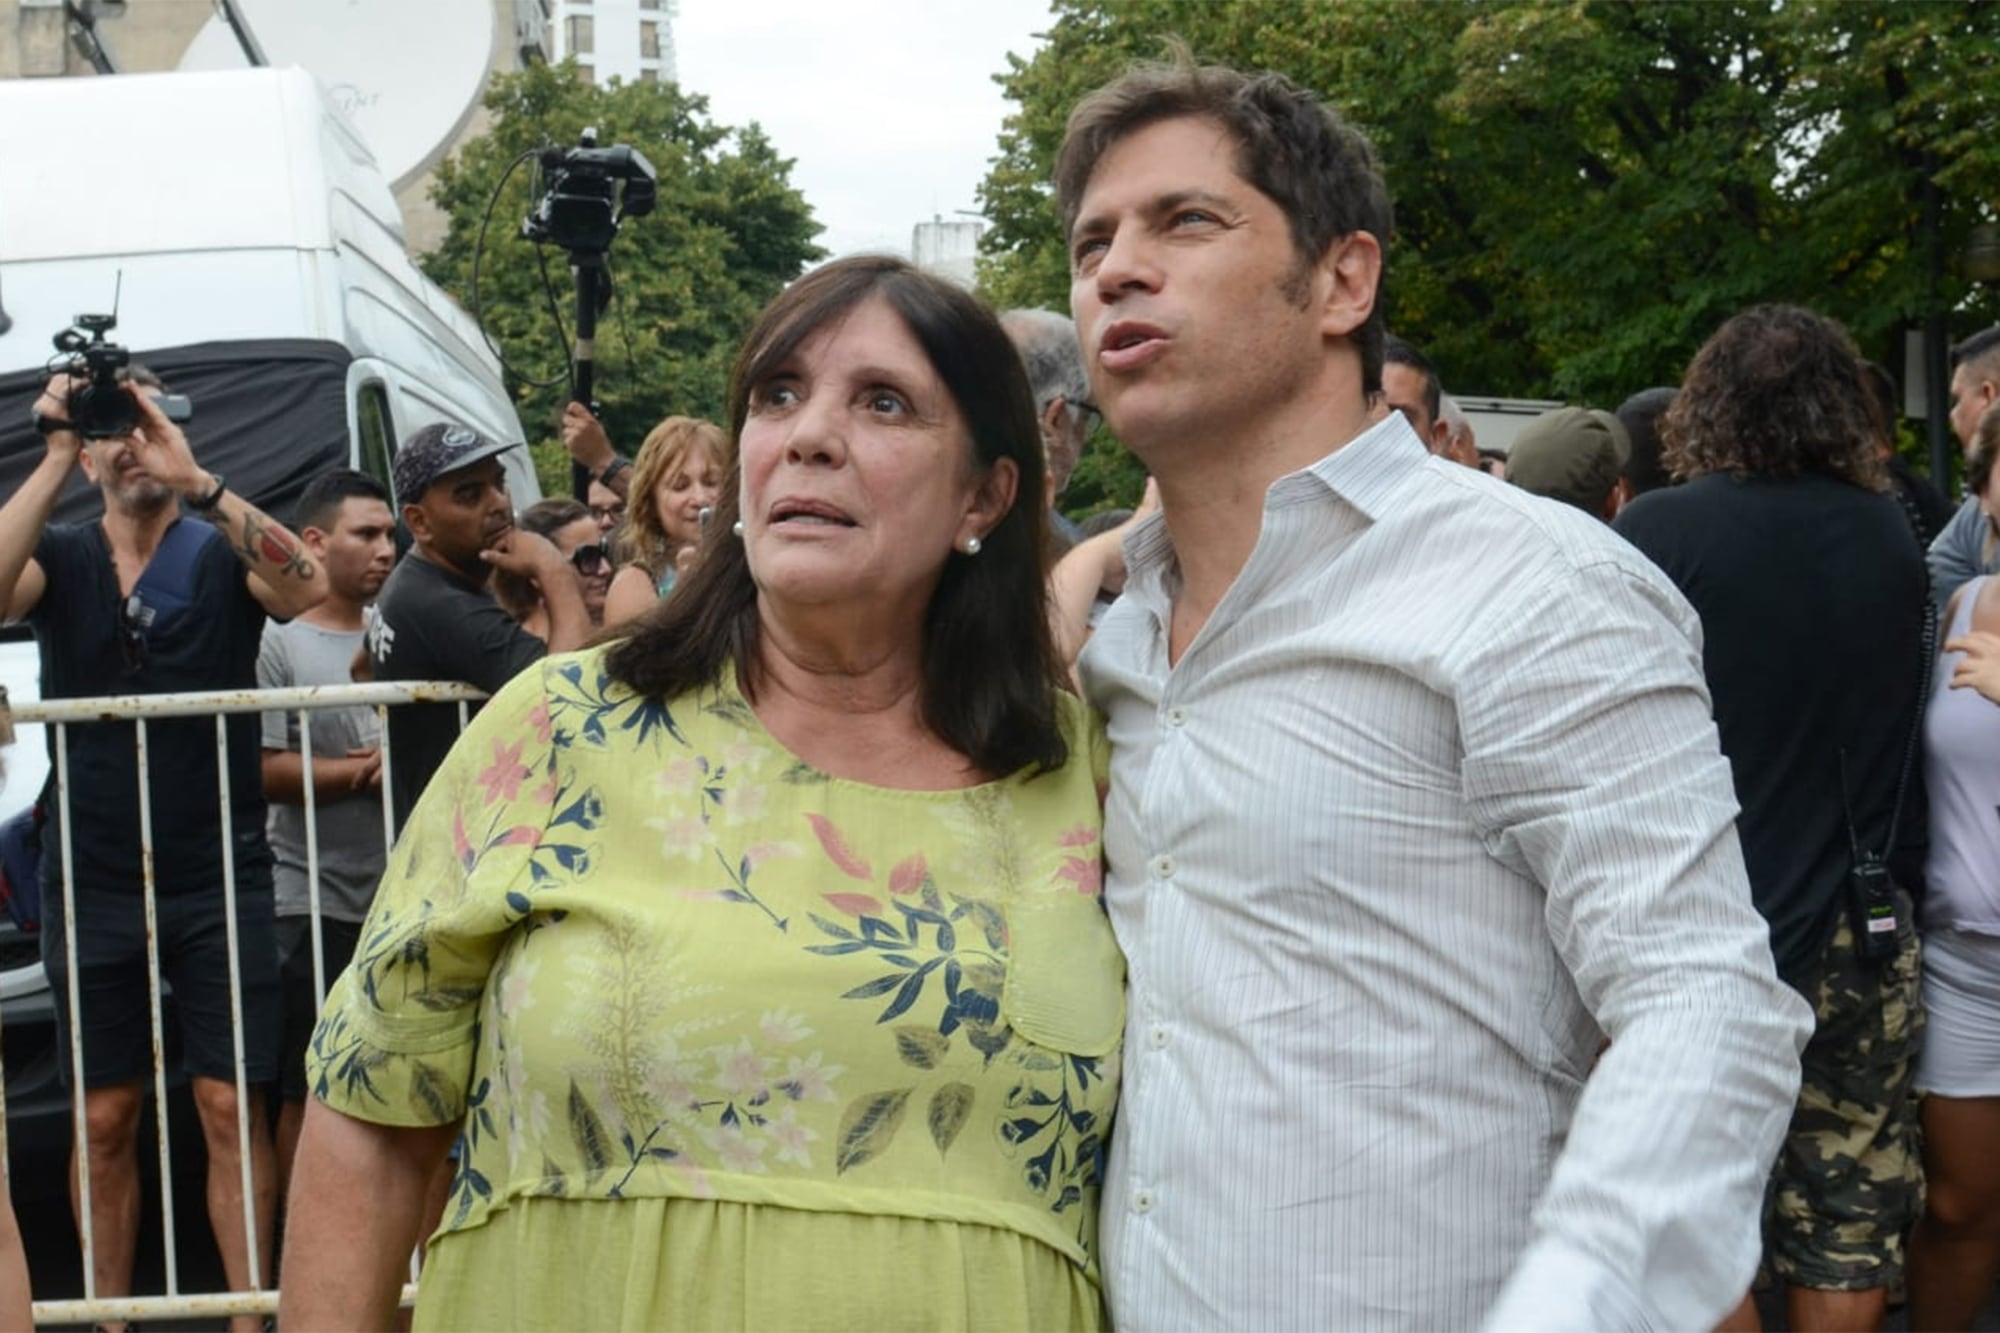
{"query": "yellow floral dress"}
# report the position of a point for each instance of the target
(841, 1056)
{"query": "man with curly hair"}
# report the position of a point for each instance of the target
(1812, 594)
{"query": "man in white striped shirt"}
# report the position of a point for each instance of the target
(1416, 801)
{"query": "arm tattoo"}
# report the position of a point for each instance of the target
(265, 541)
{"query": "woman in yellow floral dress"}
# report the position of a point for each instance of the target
(758, 957)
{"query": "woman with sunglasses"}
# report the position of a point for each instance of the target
(569, 524)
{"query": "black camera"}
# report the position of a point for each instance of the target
(101, 407)
(588, 191)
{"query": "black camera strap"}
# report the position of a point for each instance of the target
(1927, 653)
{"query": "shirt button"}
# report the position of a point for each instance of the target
(1159, 1037)
(1163, 867)
(1142, 1201)
(1177, 717)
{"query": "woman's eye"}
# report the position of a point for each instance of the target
(777, 395)
(887, 403)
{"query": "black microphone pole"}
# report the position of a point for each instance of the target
(585, 266)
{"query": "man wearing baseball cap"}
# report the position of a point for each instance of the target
(436, 618)
(1576, 455)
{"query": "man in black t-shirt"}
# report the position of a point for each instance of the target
(436, 618)
(1812, 594)
(146, 601)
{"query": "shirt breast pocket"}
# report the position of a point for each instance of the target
(1065, 986)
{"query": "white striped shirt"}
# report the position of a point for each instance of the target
(1431, 806)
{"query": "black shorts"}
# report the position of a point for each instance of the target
(194, 962)
(295, 975)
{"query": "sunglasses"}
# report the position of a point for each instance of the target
(590, 559)
(133, 618)
(608, 513)
(1091, 414)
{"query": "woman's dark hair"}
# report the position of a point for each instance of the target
(990, 667)
(1778, 391)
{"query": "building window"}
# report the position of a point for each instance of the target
(582, 35)
(649, 40)
(649, 75)
(649, 4)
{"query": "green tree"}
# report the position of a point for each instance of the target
(1585, 188)
(728, 233)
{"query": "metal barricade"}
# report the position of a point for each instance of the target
(62, 714)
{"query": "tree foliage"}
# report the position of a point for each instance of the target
(728, 233)
(1585, 189)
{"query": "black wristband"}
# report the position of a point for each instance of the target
(202, 504)
(612, 469)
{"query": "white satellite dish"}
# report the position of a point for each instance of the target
(408, 74)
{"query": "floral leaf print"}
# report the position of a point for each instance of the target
(648, 716)
(908, 876)
(868, 1126)
(588, 1132)
(1086, 872)
(950, 1105)
(854, 904)
(920, 1046)
(837, 850)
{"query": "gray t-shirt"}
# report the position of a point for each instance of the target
(351, 853)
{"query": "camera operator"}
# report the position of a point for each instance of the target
(145, 601)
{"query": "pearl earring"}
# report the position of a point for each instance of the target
(737, 527)
(972, 546)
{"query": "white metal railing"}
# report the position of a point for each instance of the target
(61, 714)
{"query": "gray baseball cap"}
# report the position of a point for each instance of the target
(1573, 454)
(438, 448)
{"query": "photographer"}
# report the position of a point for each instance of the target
(144, 601)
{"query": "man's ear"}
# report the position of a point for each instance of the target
(1440, 437)
(418, 522)
(1055, 414)
(1349, 274)
(315, 540)
(84, 457)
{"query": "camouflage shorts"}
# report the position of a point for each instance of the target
(1848, 1182)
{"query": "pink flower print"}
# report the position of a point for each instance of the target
(792, 1137)
(1086, 872)
(539, 720)
(854, 904)
(504, 776)
(782, 1026)
(741, 1072)
(546, 793)
(735, 1148)
(837, 850)
(743, 805)
(806, 1081)
(684, 839)
(461, 844)
(1083, 835)
(680, 778)
(908, 876)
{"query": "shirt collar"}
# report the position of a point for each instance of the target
(1365, 472)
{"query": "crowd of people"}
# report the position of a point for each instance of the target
(1377, 882)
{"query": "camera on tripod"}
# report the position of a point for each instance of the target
(589, 191)
(101, 406)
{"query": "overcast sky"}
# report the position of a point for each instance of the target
(888, 107)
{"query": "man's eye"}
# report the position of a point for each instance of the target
(1089, 249)
(1192, 217)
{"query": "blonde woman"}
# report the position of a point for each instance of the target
(675, 481)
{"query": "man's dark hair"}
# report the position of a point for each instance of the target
(1299, 152)
(1640, 416)
(1401, 352)
(990, 667)
(324, 494)
(1776, 392)
(1976, 347)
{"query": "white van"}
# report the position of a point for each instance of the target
(256, 255)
